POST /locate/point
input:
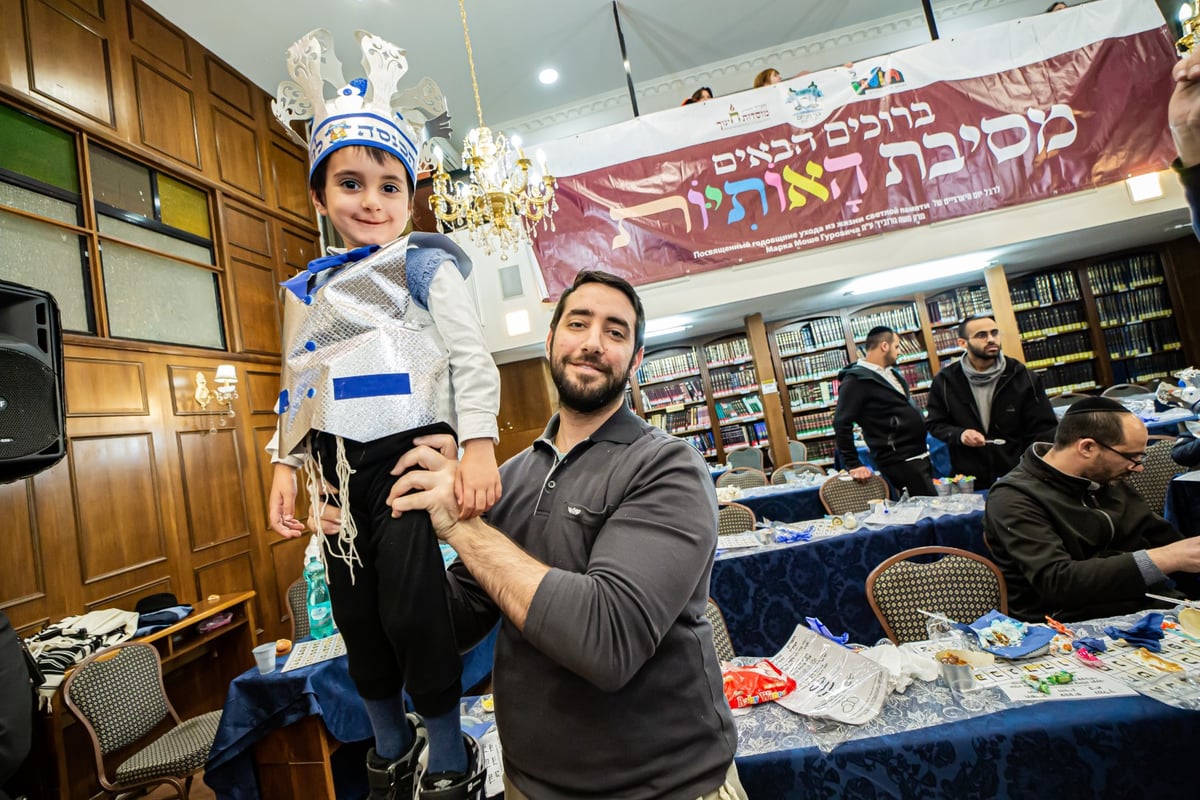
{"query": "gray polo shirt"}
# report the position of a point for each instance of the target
(614, 690)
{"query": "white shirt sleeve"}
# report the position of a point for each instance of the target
(474, 379)
(295, 461)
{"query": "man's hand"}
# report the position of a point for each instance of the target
(432, 487)
(331, 515)
(1183, 112)
(477, 485)
(1181, 556)
(281, 506)
(861, 473)
(973, 438)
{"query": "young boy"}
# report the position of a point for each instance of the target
(382, 346)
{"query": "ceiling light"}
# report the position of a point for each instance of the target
(548, 76)
(500, 203)
(919, 273)
(666, 331)
(1144, 187)
(517, 322)
(665, 323)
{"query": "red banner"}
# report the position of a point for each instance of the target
(886, 158)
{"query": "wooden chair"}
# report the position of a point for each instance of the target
(841, 496)
(721, 640)
(119, 697)
(1119, 390)
(746, 457)
(784, 473)
(1066, 399)
(734, 518)
(1158, 470)
(297, 599)
(797, 451)
(743, 478)
(960, 585)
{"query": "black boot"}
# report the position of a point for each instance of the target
(454, 785)
(394, 780)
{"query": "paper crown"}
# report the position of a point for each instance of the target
(364, 111)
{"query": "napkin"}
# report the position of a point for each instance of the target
(1146, 632)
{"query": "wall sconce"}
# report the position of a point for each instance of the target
(225, 392)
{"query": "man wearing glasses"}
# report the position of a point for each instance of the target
(987, 408)
(1073, 539)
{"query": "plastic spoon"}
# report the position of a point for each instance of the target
(994, 441)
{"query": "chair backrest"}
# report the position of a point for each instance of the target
(720, 633)
(960, 585)
(797, 451)
(743, 478)
(297, 599)
(1125, 390)
(783, 474)
(118, 695)
(734, 518)
(1158, 470)
(1066, 398)
(841, 496)
(746, 457)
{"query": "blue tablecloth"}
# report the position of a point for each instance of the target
(1183, 503)
(257, 704)
(786, 504)
(763, 594)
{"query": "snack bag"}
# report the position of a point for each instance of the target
(759, 683)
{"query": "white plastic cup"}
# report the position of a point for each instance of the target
(264, 656)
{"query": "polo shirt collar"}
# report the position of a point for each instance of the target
(622, 427)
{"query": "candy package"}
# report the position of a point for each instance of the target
(758, 683)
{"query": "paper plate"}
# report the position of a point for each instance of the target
(1036, 641)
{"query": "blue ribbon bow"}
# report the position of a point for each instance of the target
(299, 284)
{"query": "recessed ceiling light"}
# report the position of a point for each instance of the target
(548, 76)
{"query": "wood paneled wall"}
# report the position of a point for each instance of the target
(155, 494)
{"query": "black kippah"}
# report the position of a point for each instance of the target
(1091, 405)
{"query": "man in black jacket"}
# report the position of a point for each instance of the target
(983, 399)
(1072, 537)
(873, 394)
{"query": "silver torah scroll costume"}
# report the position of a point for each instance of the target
(363, 360)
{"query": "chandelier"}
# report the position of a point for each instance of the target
(500, 203)
(1191, 24)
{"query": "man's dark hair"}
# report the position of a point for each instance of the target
(316, 181)
(621, 285)
(1098, 418)
(962, 326)
(877, 336)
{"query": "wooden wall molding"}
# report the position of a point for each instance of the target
(166, 114)
(211, 471)
(128, 598)
(20, 545)
(158, 39)
(104, 387)
(69, 62)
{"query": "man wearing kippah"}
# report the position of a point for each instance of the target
(1073, 539)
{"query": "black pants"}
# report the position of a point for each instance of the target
(395, 616)
(16, 703)
(915, 475)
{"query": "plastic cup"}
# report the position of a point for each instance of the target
(264, 657)
(959, 677)
(966, 486)
(944, 488)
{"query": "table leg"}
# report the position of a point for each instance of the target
(294, 761)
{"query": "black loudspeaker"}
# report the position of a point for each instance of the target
(32, 410)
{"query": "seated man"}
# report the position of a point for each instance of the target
(1072, 538)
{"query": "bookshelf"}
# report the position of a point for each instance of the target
(670, 385)
(1052, 319)
(809, 353)
(736, 401)
(1136, 315)
(946, 310)
(902, 317)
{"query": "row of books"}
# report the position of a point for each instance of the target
(1047, 321)
(1044, 289)
(964, 302)
(1124, 274)
(738, 407)
(670, 393)
(1147, 369)
(1068, 377)
(728, 379)
(801, 367)
(812, 335)
(821, 449)
(945, 338)
(1142, 338)
(702, 441)
(815, 393)
(813, 423)
(753, 434)
(673, 421)
(1057, 347)
(917, 374)
(1132, 306)
(727, 350)
(667, 366)
(900, 318)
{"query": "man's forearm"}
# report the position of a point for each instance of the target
(508, 574)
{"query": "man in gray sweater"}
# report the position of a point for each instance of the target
(597, 557)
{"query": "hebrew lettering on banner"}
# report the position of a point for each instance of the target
(787, 169)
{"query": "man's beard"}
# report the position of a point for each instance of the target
(982, 353)
(592, 397)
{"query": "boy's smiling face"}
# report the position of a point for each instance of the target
(366, 201)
